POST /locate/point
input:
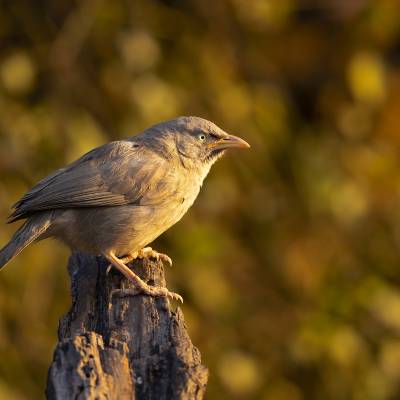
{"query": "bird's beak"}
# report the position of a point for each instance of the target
(229, 141)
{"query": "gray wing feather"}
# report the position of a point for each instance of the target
(115, 174)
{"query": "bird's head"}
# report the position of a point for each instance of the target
(198, 140)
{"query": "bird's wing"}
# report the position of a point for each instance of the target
(115, 174)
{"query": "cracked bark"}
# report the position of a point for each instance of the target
(122, 347)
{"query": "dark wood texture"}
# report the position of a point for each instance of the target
(115, 346)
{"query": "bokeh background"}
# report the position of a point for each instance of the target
(289, 261)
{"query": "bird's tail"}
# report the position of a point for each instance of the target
(30, 231)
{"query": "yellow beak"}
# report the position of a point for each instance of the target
(230, 141)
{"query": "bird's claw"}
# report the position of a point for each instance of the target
(175, 296)
(149, 252)
(154, 291)
(165, 258)
(157, 291)
(109, 269)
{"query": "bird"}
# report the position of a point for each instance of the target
(118, 198)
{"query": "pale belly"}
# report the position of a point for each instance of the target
(120, 229)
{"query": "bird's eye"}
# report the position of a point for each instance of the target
(202, 136)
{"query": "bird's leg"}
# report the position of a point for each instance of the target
(129, 257)
(125, 260)
(144, 253)
(149, 252)
(140, 285)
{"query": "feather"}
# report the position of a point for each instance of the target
(115, 174)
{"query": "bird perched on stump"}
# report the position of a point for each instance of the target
(119, 197)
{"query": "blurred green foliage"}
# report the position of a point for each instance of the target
(289, 261)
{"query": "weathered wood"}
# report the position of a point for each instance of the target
(113, 346)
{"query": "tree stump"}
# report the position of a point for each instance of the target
(115, 346)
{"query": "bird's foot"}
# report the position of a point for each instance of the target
(146, 252)
(140, 285)
(154, 291)
(149, 252)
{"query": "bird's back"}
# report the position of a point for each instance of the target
(120, 196)
(129, 227)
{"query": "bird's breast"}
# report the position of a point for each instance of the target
(181, 199)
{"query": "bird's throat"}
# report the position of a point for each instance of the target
(215, 155)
